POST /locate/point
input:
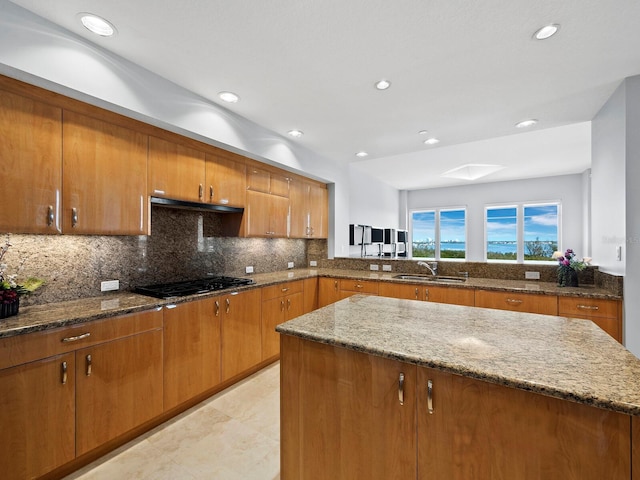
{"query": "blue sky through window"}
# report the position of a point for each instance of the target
(541, 223)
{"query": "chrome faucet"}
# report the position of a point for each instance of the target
(433, 267)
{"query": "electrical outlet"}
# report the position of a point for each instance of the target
(386, 268)
(249, 269)
(313, 263)
(109, 285)
(290, 265)
(374, 267)
(532, 275)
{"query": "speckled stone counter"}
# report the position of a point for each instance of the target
(556, 356)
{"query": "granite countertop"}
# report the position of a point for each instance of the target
(44, 317)
(560, 357)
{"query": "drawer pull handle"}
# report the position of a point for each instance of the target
(358, 285)
(200, 191)
(430, 396)
(282, 305)
(228, 302)
(63, 367)
(89, 366)
(426, 294)
(288, 304)
(335, 285)
(417, 293)
(401, 388)
(50, 216)
(285, 289)
(74, 217)
(211, 192)
(76, 338)
(588, 307)
(217, 308)
(514, 301)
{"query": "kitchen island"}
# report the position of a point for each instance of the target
(384, 388)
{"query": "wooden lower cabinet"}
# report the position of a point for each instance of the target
(191, 354)
(349, 287)
(607, 314)
(342, 417)
(484, 431)
(310, 291)
(241, 332)
(280, 303)
(517, 302)
(328, 291)
(37, 417)
(118, 387)
(429, 293)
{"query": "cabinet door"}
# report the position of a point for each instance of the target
(105, 176)
(279, 184)
(517, 302)
(278, 216)
(176, 171)
(298, 201)
(226, 182)
(258, 180)
(273, 314)
(191, 350)
(482, 430)
(604, 313)
(266, 215)
(328, 291)
(37, 414)
(310, 294)
(451, 295)
(401, 290)
(318, 201)
(345, 418)
(30, 165)
(119, 387)
(241, 332)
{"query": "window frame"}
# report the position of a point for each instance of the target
(437, 210)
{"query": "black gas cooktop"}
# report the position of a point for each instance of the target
(192, 287)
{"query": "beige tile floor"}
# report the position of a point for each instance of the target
(231, 436)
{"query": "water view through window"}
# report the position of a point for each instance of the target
(452, 238)
(502, 233)
(540, 232)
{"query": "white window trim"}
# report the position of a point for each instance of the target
(437, 211)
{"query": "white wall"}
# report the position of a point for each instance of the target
(475, 197)
(38, 52)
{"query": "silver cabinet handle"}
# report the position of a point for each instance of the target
(50, 217)
(74, 216)
(285, 289)
(282, 305)
(200, 191)
(401, 388)
(211, 192)
(335, 285)
(588, 307)
(288, 304)
(514, 301)
(228, 305)
(358, 285)
(217, 308)
(76, 338)
(89, 360)
(63, 367)
(430, 396)
(426, 294)
(417, 292)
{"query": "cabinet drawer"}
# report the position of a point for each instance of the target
(33, 346)
(517, 302)
(587, 307)
(282, 289)
(360, 286)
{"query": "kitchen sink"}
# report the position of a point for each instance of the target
(431, 278)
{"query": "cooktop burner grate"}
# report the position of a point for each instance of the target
(192, 287)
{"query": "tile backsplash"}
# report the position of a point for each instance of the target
(183, 245)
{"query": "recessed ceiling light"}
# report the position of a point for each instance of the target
(383, 84)
(472, 171)
(431, 141)
(546, 31)
(228, 97)
(362, 154)
(526, 123)
(423, 132)
(296, 133)
(97, 25)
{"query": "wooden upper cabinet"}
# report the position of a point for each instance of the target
(105, 170)
(266, 215)
(318, 199)
(30, 165)
(274, 182)
(279, 184)
(299, 219)
(309, 210)
(226, 181)
(176, 171)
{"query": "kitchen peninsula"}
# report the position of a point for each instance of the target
(371, 384)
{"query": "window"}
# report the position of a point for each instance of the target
(540, 232)
(502, 233)
(527, 232)
(439, 233)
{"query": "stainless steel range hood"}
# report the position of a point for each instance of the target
(205, 207)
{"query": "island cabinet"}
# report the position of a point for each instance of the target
(176, 171)
(349, 415)
(37, 414)
(30, 164)
(469, 428)
(241, 332)
(607, 314)
(105, 178)
(226, 180)
(454, 296)
(280, 303)
(192, 353)
(517, 302)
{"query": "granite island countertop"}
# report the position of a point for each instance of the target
(555, 356)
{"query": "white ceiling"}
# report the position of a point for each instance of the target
(466, 71)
